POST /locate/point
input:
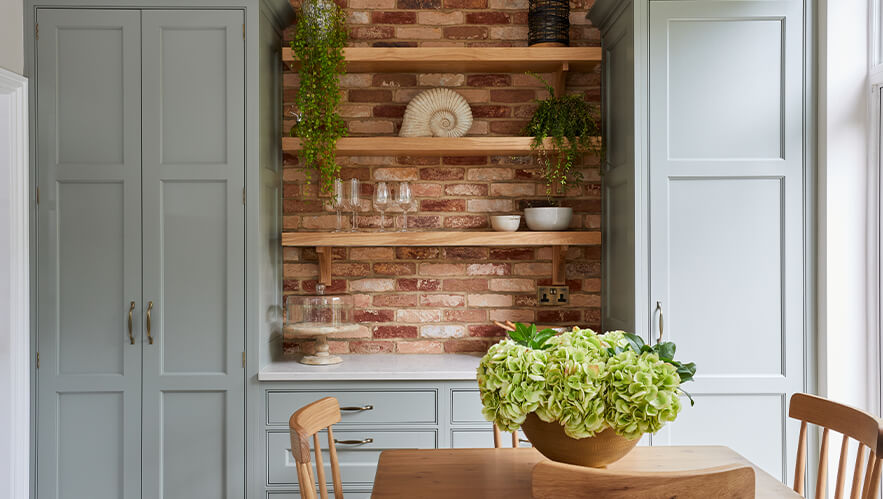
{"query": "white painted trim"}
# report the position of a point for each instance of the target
(14, 301)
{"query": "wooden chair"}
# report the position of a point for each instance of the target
(851, 423)
(498, 438)
(552, 480)
(306, 423)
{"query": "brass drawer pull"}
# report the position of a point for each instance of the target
(354, 442)
(357, 408)
(149, 337)
(131, 309)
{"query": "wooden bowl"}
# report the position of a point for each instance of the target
(595, 452)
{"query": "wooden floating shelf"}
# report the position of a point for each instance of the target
(441, 238)
(428, 146)
(464, 59)
(326, 241)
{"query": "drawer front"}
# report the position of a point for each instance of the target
(357, 462)
(387, 407)
(466, 407)
(482, 439)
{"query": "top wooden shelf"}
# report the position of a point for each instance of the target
(464, 59)
(441, 238)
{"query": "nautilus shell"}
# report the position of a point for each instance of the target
(437, 112)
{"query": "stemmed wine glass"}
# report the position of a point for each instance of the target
(381, 202)
(337, 201)
(405, 201)
(354, 202)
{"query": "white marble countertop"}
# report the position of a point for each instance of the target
(390, 367)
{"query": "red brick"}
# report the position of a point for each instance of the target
(593, 316)
(486, 330)
(370, 95)
(465, 33)
(371, 32)
(395, 332)
(394, 80)
(302, 205)
(465, 4)
(418, 4)
(466, 190)
(470, 315)
(453, 346)
(372, 346)
(393, 44)
(512, 95)
(559, 316)
(443, 205)
(491, 111)
(584, 269)
(416, 253)
(418, 32)
(374, 315)
(442, 269)
(465, 160)
(337, 286)
(464, 285)
(417, 160)
(442, 173)
(350, 269)
(466, 222)
(487, 18)
(418, 284)
(424, 222)
(290, 285)
(418, 347)
(395, 300)
(467, 253)
(389, 111)
(393, 17)
(489, 80)
(508, 127)
(443, 301)
(525, 301)
(572, 284)
(395, 268)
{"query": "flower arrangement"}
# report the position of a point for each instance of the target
(585, 381)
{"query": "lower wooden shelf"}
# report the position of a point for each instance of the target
(428, 146)
(325, 241)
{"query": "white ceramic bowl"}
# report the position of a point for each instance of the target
(506, 223)
(551, 218)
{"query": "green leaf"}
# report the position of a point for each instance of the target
(666, 350)
(635, 342)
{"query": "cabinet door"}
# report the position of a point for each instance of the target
(88, 155)
(727, 232)
(193, 96)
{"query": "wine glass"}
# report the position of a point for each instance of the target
(337, 201)
(405, 201)
(381, 202)
(354, 202)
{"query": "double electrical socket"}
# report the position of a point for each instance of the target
(550, 296)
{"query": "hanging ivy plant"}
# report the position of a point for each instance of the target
(319, 38)
(572, 124)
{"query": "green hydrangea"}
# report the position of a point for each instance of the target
(584, 381)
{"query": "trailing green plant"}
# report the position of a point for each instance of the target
(572, 124)
(319, 38)
(584, 381)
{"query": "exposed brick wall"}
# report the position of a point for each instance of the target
(434, 300)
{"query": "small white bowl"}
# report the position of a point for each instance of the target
(506, 223)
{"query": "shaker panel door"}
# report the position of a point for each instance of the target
(88, 157)
(194, 169)
(727, 231)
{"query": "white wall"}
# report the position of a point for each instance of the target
(11, 41)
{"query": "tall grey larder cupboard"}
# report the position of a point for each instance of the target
(141, 237)
(708, 188)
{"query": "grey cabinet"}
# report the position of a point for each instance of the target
(708, 203)
(142, 166)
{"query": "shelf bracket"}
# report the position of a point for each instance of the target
(559, 273)
(560, 79)
(324, 253)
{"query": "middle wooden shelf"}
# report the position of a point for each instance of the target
(324, 242)
(427, 146)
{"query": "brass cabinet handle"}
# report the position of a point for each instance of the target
(659, 309)
(131, 309)
(357, 408)
(149, 337)
(354, 442)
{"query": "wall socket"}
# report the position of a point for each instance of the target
(550, 296)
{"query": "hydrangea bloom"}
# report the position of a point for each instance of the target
(584, 381)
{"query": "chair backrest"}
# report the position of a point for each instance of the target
(851, 423)
(306, 423)
(552, 480)
(498, 438)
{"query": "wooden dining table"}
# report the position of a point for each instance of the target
(506, 473)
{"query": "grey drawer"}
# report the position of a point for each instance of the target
(357, 462)
(412, 406)
(466, 407)
(482, 439)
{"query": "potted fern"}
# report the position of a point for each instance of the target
(571, 126)
(580, 397)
